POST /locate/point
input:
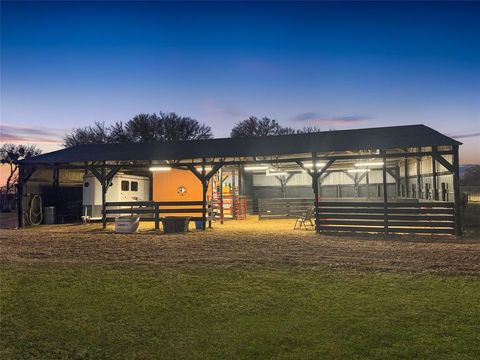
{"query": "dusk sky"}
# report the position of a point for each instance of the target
(333, 65)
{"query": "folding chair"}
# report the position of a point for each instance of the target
(305, 220)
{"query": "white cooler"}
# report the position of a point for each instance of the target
(127, 224)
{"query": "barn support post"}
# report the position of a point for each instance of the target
(385, 192)
(354, 179)
(456, 192)
(104, 178)
(407, 184)
(150, 186)
(23, 176)
(419, 180)
(316, 200)
(397, 180)
(367, 180)
(234, 200)
(157, 216)
(221, 196)
(20, 184)
(316, 175)
(281, 179)
(56, 177)
(104, 197)
(240, 192)
(434, 176)
(204, 196)
(204, 178)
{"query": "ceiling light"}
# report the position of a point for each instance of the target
(256, 167)
(378, 163)
(310, 165)
(207, 168)
(358, 170)
(268, 173)
(160, 168)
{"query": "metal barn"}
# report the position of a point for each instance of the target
(402, 179)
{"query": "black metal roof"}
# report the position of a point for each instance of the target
(325, 141)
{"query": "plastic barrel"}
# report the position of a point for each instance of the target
(49, 215)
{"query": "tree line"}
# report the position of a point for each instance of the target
(172, 127)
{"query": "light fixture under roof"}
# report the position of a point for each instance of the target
(358, 170)
(256, 167)
(275, 173)
(207, 168)
(374, 163)
(160, 168)
(310, 165)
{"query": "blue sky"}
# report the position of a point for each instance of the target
(333, 65)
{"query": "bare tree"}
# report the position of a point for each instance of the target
(177, 127)
(253, 127)
(96, 134)
(308, 129)
(141, 128)
(10, 154)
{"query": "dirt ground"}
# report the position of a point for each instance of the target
(243, 243)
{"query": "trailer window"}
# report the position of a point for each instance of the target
(134, 186)
(124, 185)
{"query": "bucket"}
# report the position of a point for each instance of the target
(49, 215)
(175, 224)
(126, 224)
(198, 224)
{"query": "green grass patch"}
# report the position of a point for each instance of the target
(141, 313)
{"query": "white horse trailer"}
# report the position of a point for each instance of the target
(122, 188)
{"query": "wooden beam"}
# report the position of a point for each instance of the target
(407, 184)
(204, 181)
(113, 171)
(24, 174)
(367, 180)
(96, 173)
(245, 162)
(434, 177)
(104, 197)
(456, 192)
(20, 184)
(397, 180)
(204, 178)
(221, 195)
(419, 180)
(443, 162)
(300, 163)
(385, 193)
(234, 198)
(195, 172)
(350, 175)
(56, 177)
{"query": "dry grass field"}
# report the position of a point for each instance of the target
(242, 243)
(247, 289)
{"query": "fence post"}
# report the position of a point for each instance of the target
(456, 192)
(385, 192)
(209, 213)
(104, 198)
(157, 216)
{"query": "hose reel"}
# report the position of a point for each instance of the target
(34, 215)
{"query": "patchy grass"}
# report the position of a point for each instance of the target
(74, 311)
